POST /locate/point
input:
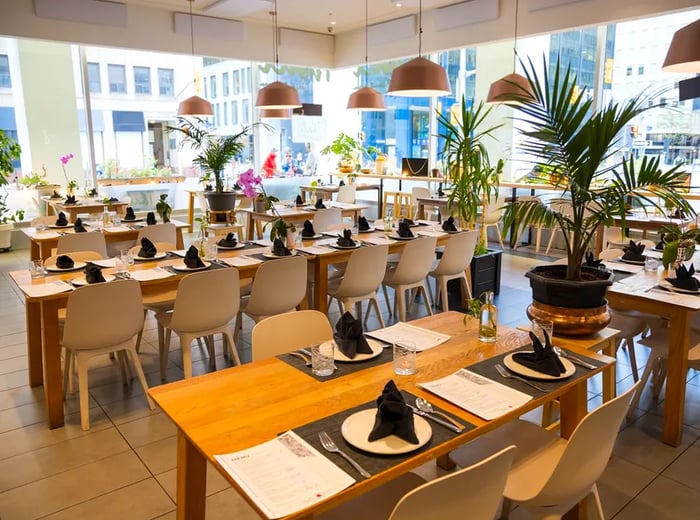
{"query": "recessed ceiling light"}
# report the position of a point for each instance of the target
(332, 23)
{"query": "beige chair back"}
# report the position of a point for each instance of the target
(364, 272)
(206, 300)
(77, 256)
(158, 233)
(458, 254)
(328, 219)
(416, 260)
(347, 193)
(610, 254)
(91, 241)
(494, 210)
(290, 331)
(279, 286)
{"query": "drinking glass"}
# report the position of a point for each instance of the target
(388, 222)
(127, 257)
(404, 358)
(36, 269)
(211, 252)
(120, 265)
(539, 327)
(651, 263)
(322, 358)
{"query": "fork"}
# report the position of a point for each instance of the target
(330, 446)
(504, 373)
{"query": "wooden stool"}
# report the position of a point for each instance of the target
(224, 229)
(230, 216)
(402, 204)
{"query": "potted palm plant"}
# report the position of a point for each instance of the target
(581, 149)
(9, 151)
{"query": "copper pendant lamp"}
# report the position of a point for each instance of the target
(194, 105)
(513, 86)
(275, 113)
(419, 77)
(277, 95)
(366, 98)
(684, 52)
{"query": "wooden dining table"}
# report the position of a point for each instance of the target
(253, 403)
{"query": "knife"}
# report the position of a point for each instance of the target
(444, 423)
(580, 362)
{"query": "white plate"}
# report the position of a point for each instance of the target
(239, 245)
(336, 246)
(157, 256)
(56, 226)
(127, 221)
(514, 366)
(355, 430)
(183, 267)
(316, 236)
(376, 347)
(668, 285)
(631, 262)
(80, 280)
(370, 230)
(270, 254)
(397, 237)
(56, 269)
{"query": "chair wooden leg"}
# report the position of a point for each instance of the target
(136, 363)
(140, 334)
(401, 303)
(551, 239)
(465, 287)
(67, 370)
(505, 508)
(123, 367)
(421, 290)
(431, 301)
(186, 347)
(629, 343)
(500, 240)
(232, 347)
(594, 505)
(645, 377)
(375, 302)
(386, 300)
(163, 350)
(83, 392)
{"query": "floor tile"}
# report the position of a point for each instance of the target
(620, 483)
(159, 456)
(663, 499)
(149, 429)
(685, 468)
(215, 482)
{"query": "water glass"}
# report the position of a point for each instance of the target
(404, 358)
(322, 357)
(211, 252)
(120, 265)
(36, 269)
(388, 222)
(651, 263)
(539, 327)
(127, 257)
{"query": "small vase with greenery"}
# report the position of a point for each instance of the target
(163, 208)
(349, 151)
(673, 237)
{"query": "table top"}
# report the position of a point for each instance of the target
(642, 286)
(82, 204)
(333, 188)
(54, 233)
(306, 211)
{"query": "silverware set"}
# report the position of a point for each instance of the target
(330, 446)
(507, 375)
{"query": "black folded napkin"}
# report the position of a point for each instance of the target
(346, 239)
(78, 226)
(660, 244)
(113, 199)
(55, 195)
(279, 249)
(64, 262)
(634, 252)
(404, 230)
(299, 201)
(677, 214)
(130, 215)
(440, 193)
(449, 225)
(684, 279)
(192, 259)
(394, 417)
(61, 220)
(93, 274)
(592, 262)
(308, 231)
(319, 204)
(70, 199)
(341, 183)
(148, 249)
(543, 360)
(408, 221)
(362, 224)
(150, 218)
(349, 336)
(228, 241)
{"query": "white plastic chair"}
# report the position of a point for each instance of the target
(363, 276)
(424, 193)
(90, 241)
(410, 273)
(205, 303)
(290, 331)
(455, 260)
(100, 319)
(474, 492)
(550, 474)
(328, 219)
(494, 210)
(347, 193)
(158, 233)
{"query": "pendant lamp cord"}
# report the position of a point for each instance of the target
(366, 46)
(194, 72)
(515, 36)
(274, 40)
(420, 29)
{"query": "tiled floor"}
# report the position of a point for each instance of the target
(124, 467)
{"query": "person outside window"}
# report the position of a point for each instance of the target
(270, 164)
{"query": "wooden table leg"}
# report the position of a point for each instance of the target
(676, 372)
(420, 214)
(573, 408)
(191, 487)
(179, 241)
(249, 226)
(53, 382)
(445, 462)
(190, 212)
(35, 250)
(609, 373)
(34, 354)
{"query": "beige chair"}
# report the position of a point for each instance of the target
(455, 260)
(474, 493)
(289, 331)
(329, 219)
(537, 227)
(363, 276)
(158, 233)
(550, 474)
(77, 256)
(420, 192)
(347, 194)
(205, 304)
(410, 273)
(91, 241)
(562, 206)
(494, 210)
(100, 319)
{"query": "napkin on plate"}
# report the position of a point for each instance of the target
(93, 274)
(393, 416)
(684, 279)
(150, 218)
(70, 199)
(449, 224)
(346, 239)
(78, 226)
(64, 262)
(228, 241)
(409, 221)
(362, 224)
(113, 199)
(404, 230)
(543, 360)
(130, 215)
(349, 336)
(679, 213)
(61, 220)
(319, 204)
(192, 259)
(299, 201)
(148, 249)
(592, 262)
(308, 231)
(634, 252)
(279, 249)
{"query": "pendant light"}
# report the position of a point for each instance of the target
(277, 95)
(684, 52)
(419, 77)
(513, 86)
(275, 113)
(194, 105)
(366, 98)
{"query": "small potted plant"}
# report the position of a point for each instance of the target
(349, 151)
(163, 208)
(9, 151)
(673, 238)
(283, 229)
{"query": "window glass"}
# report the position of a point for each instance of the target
(94, 77)
(166, 78)
(225, 113)
(224, 84)
(245, 106)
(236, 82)
(212, 87)
(117, 78)
(142, 80)
(234, 112)
(5, 72)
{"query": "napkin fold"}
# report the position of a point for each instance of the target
(679, 213)
(299, 201)
(592, 262)
(346, 239)
(404, 230)
(192, 259)
(308, 231)
(319, 204)
(113, 199)
(279, 249)
(543, 360)
(150, 218)
(148, 249)
(228, 241)
(409, 221)
(449, 224)
(61, 220)
(130, 215)
(393, 417)
(349, 336)
(93, 274)
(684, 279)
(70, 199)
(78, 226)
(362, 224)
(634, 252)
(64, 262)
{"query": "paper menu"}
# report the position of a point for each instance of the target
(284, 475)
(38, 290)
(477, 394)
(422, 338)
(241, 261)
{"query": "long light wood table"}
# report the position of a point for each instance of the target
(329, 189)
(232, 417)
(73, 210)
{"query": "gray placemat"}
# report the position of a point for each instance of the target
(371, 462)
(487, 368)
(343, 368)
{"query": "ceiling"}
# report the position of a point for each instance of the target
(304, 15)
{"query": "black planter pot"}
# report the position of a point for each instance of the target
(549, 287)
(485, 276)
(224, 201)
